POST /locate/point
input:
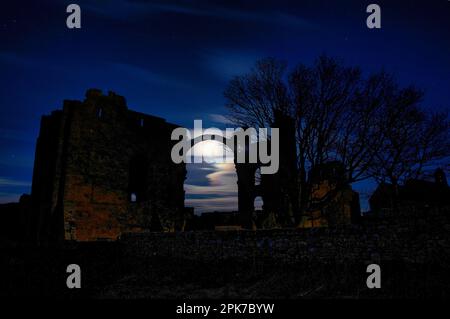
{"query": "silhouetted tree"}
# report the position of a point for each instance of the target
(369, 124)
(336, 119)
(413, 141)
(252, 98)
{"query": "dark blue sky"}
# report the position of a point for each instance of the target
(174, 59)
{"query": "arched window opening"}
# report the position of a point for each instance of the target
(137, 185)
(99, 112)
(258, 204)
(258, 176)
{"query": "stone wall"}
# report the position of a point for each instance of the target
(420, 240)
(304, 263)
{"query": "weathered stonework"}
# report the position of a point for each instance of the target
(333, 202)
(279, 191)
(419, 240)
(102, 170)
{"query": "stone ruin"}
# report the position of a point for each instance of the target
(102, 170)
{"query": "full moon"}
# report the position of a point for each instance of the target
(211, 152)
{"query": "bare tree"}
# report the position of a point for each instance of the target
(370, 125)
(332, 105)
(253, 97)
(414, 142)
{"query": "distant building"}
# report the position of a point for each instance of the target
(101, 170)
(414, 195)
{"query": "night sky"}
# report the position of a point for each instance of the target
(174, 59)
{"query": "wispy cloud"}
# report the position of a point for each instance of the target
(11, 189)
(212, 11)
(219, 118)
(213, 204)
(219, 194)
(228, 63)
(221, 182)
(150, 76)
(6, 182)
(124, 9)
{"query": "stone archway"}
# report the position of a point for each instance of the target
(279, 190)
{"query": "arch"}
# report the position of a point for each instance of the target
(137, 178)
(249, 193)
(258, 203)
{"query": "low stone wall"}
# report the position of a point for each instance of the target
(417, 241)
(288, 263)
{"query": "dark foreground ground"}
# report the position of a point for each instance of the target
(108, 273)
